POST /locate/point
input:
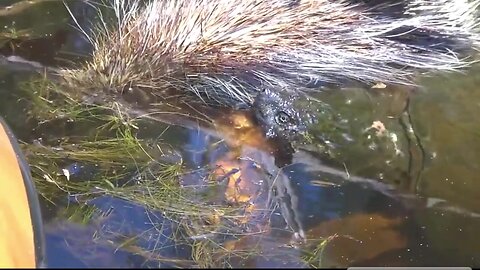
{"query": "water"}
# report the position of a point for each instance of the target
(406, 195)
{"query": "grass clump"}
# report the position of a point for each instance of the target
(90, 151)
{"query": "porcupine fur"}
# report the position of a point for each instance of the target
(227, 52)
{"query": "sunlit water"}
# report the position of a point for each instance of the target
(405, 196)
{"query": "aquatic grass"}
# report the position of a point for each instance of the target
(313, 256)
(161, 190)
(114, 155)
(226, 255)
(107, 158)
(80, 213)
(117, 163)
(48, 101)
(198, 223)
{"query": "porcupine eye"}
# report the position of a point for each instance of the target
(282, 118)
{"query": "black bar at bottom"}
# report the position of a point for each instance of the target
(410, 268)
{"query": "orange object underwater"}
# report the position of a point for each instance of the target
(21, 230)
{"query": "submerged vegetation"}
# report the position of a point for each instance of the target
(113, 161)
(110, 159)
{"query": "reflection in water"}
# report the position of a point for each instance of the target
(309, 210)
(109, 240)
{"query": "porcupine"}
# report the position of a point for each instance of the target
(263, 54)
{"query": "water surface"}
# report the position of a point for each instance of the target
(389, 178)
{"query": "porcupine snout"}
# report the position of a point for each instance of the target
(283, 114)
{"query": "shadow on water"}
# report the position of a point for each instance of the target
(387, 177)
